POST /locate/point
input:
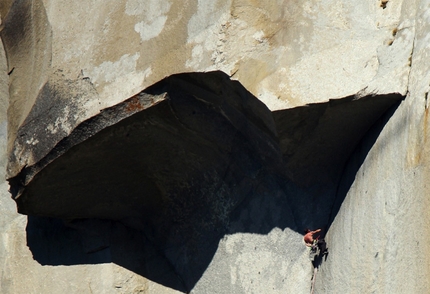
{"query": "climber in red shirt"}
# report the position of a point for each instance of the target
(317, 245)
(309, 237)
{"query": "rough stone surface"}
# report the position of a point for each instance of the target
(379, 238)
(184, 165)
(282, 52)
(67, 64)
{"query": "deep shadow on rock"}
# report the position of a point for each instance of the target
(154, 183)
(317, 141)
(356, 159)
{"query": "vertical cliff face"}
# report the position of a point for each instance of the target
(379, 237)
(174, 148)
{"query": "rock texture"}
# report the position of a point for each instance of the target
(383, 223)
(137, 183)
(287, 46)
(180, 165)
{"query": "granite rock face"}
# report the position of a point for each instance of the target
(383, 223)
(175, 168)
(110, 51)
(273, 117)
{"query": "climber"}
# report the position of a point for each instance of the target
(309, 237)
(318, 246)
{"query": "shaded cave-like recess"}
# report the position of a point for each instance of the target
(177, 164)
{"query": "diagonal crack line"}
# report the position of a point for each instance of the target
(411, 58)
(410, 64)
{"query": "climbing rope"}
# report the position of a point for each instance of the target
(313, 280)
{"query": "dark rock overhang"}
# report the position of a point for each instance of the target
(187, 135)
(317, 139)
(194, 136)
(171, 170)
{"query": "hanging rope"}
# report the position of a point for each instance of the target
(313, 280)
